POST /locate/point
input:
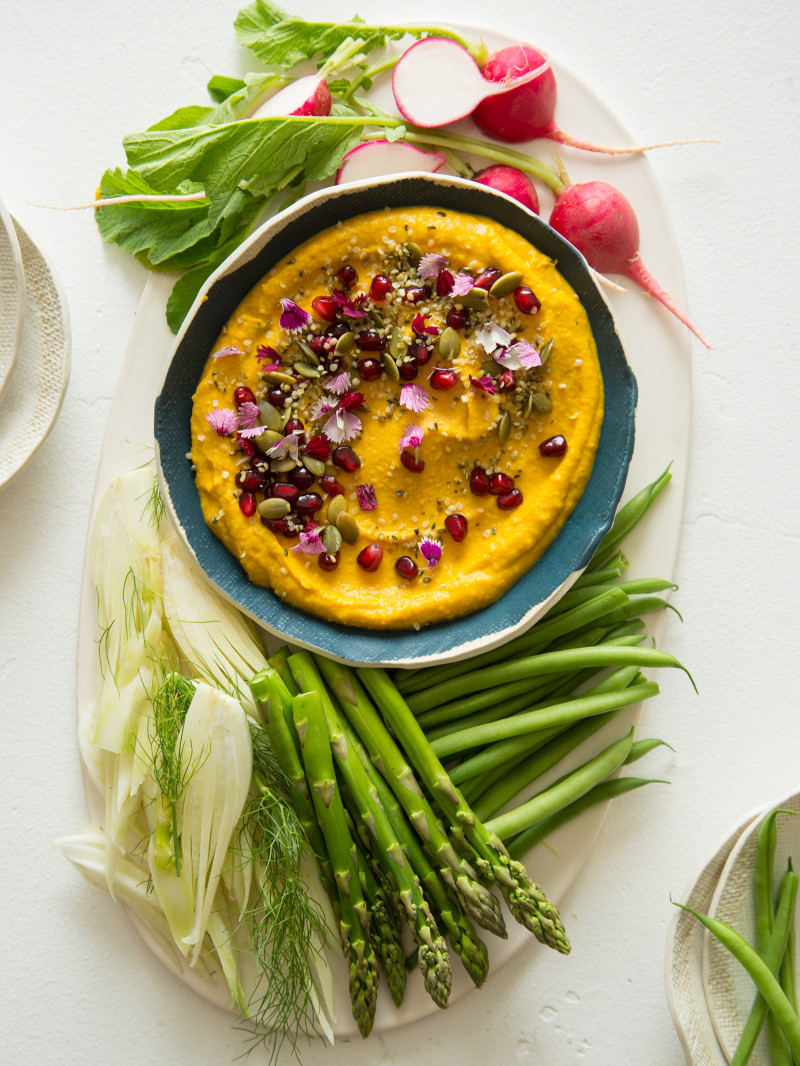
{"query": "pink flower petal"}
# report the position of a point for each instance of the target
(342, 426)
(367, 500)
(493, 336)
(265, 352)
(310, 543)
(485, 384)
(462, 283)
(431, 264)
(340, 384)
(231, 349)
(355, 308)
(322, 408)
(414, 397)
(293, 317)
(419, 327)
(287, 445)
(521, 356)
(412, 438)
(223, 420)
(254, 431)
(248, 415)
(431, 550)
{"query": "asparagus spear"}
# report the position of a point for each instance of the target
(527, 902)
(310, 725)
(478, 901)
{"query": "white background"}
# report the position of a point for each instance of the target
(76, 983)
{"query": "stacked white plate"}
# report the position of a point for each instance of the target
(709, 993)
(34, 347)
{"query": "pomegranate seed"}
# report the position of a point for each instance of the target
(247, 447)
(553, 446)
(411, 462)
(456, 318)
(325, 308)
(328, 561)
(415, 294)
(370, 341)
(277, 397)
(406, 567)
(505, 381)
(294, 425)
(346, 458)
(479, 481)
(309, 503)
(250, 480)
(302, 477)
(444, 283)
(408, 371)
(347, 275)
(443, 379)
(487, 278)
(281, 526)
(456, 526)
(243, 395)
(370, 557)
(282, 490)
(337, 330)
(419, 352)
(320, 343)
(329, 484)
(370, 369)
(526, 300)
(247, 504)
(501, 483)
(381, 286)
(509, 499)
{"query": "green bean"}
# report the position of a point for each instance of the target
(641, 748)
(765, 980)
(524, 842)
(776, 950)
(613, 569)
(627, 518)
(643, 586)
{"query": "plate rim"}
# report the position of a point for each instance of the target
(13, 333)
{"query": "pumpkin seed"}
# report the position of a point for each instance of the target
(376, 317)
(544, 353)
(415, 253)
(348, 527)
(476, 299)
(506, 284)
(397, 344)
(345, 343)
(504, 428)
(270, 416)
(269, 437)
(272, 507)
(278, 377)
(332, 539)
(528, 406)
(306, 370)
(390, 367)
(282, 466)
(449, 344)
(316, 466)
(542, 403)
(336, 505)
(307, 352)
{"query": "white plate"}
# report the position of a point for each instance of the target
(12, 298)
(729, 990)
(36, 390)
(684, 956)
(659, 351)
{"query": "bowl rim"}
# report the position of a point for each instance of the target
(477, 631)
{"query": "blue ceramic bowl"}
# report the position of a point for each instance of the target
(525, 601)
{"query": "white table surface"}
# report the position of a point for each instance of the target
(76, 983)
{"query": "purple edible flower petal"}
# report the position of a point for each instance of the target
(342, 426)
(248, 415)
(310, 543)
(293, 317)
(412, 438)
(287, 445)
(485, 384)
(340, 384)
(231, 349)
(419, 327)
(493, 336)
(519, 356)
(367, 500)
(462, 283)
(431, 264)
(430, 550)
(223, 420)
(322, 408)
(414, 397)
(253, 431)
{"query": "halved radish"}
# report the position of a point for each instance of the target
(372, 159)
(436, 81)
(305, 96)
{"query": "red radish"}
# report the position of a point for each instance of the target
(436, 81)
(598, 220)
(305, 96)
(512, 182)
(527, 111)
(373, 159)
